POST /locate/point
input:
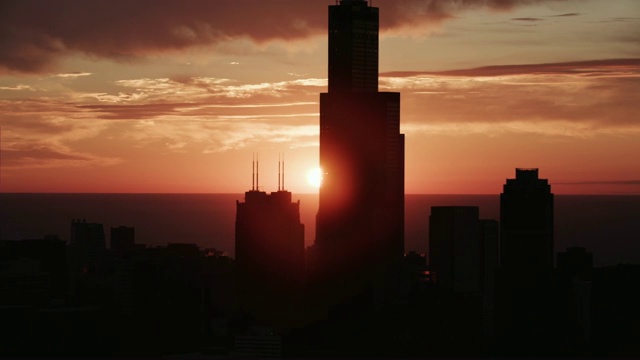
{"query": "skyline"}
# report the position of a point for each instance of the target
(177, 99)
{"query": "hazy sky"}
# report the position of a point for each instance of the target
(176, 96)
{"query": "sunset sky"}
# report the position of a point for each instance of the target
(176, 96)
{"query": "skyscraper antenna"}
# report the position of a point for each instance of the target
(278, 172)
(253, 171)
(257, 172)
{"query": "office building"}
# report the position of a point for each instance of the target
(122, 239)
(526, 223)
(269, 250)
(527, 300)
(87, 261)
(360, 221)
(455, 251)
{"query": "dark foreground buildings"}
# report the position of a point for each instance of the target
(360, 221)
(269, 250)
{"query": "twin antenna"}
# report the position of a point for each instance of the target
(256, 172)
(280, 174)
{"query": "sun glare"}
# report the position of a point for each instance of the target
(314, 177)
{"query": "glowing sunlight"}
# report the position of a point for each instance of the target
(314, 177)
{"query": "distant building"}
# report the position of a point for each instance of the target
(575, 270)
(455, 252)
(257, 343)
(527, 300)
(22, 282)
(123, 239)
(575, 262)
(526, 223)
(87, 261)
(269, 248)
(490, 242)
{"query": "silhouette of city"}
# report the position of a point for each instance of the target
(487, 288)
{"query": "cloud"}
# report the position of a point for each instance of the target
(527, 19)
(72, 75)
(40, 134)
(604, 182)
(196, 114)
(608, 67)
(17, 87)
(34, 34)
(219, 136)
(566, 15)
(575, 99)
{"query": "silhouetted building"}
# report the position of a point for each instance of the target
(86, 259)
(575, 262)
(490, 261)
(50, 252)
(269, 248)
(455, 250)
(526, 223)
(123, 239)
(528, 304)
(575, 271)
(353, 47)
(615, 311)
(360, 221)
(257, 343)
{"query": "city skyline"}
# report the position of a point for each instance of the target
(176, 99)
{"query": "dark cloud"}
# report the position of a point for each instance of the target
(527, 19)
(573, 98)
(33, 33)
(565, 15)
(138, 112)
(28, 154)
(584, 68)
(607, 182)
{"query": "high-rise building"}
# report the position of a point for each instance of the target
(87, 260)
(526, 297)
(353, 47)
(526, 223)
(122, 239)
(269, 250)
(489, 240)
(455, 252)
(360, 221)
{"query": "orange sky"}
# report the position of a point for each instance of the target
(175, 96)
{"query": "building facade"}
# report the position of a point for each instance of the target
(269, 250)
(526, 223)
(360, 221)
(527, 299)
(455, 253)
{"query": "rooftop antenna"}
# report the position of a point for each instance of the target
(253, 171)
(257, 172)
(278, 172)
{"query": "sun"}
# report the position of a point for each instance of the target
(314, 177)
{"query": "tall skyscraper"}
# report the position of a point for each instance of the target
(455, 254)
(526, 299)
(526, 223)
(360, 221)
(353, 47)
(269, 249)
